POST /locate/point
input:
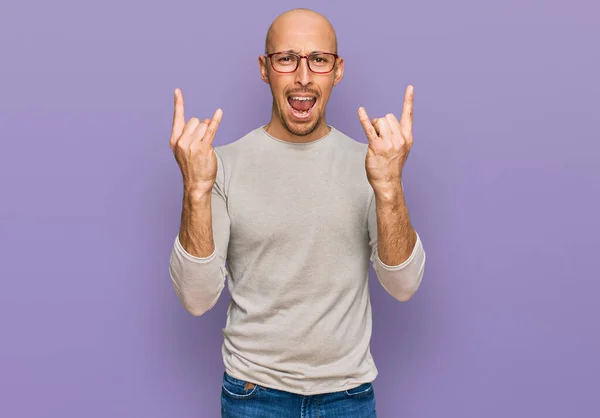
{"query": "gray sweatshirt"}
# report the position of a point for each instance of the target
(295, 230)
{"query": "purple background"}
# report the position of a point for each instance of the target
(502, 184)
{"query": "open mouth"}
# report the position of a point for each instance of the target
(301, 106)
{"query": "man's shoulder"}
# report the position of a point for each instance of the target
(238, 142)
(349, 143)
(237, 146)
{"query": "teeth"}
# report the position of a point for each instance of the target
(303, 98)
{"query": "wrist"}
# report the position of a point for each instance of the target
(389, 193)
(195, 195)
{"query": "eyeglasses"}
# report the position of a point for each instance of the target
(287, 62)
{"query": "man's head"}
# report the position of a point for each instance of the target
(300, 97)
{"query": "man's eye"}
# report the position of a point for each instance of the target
(286, 58)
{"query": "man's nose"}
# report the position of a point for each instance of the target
(303, 73)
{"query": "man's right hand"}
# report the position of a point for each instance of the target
(191, 144)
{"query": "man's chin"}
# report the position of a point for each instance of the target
(301, 128)
(301, 131)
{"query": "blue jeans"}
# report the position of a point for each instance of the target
(239, 400)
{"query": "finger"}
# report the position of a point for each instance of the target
(406, 119)
(197, 133)
(366, 124)
(376, 127)
(178, 116)
(384, 128)
(393, 122)
(374, 123)
(188, 130)
(211, 130)
(200, 130)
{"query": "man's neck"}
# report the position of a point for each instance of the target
(277, 130)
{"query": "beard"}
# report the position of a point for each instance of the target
(298, 129)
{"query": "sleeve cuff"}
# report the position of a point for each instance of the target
(179, 248)
(416, 249)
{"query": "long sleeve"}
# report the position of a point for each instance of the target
(400, 281)
(198, 282)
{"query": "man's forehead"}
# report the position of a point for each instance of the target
(302, 32)
(303, 41)
(303, 50)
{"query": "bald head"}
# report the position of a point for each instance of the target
(297, 23)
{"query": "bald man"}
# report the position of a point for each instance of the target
(293, 214)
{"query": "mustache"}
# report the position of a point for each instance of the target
(303, 91)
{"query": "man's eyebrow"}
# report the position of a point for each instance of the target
(297, 52)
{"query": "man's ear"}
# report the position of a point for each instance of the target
(262, 65)
(338, 71)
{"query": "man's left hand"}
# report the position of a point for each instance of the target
(390, 142)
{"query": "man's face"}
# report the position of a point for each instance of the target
(300, 97)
